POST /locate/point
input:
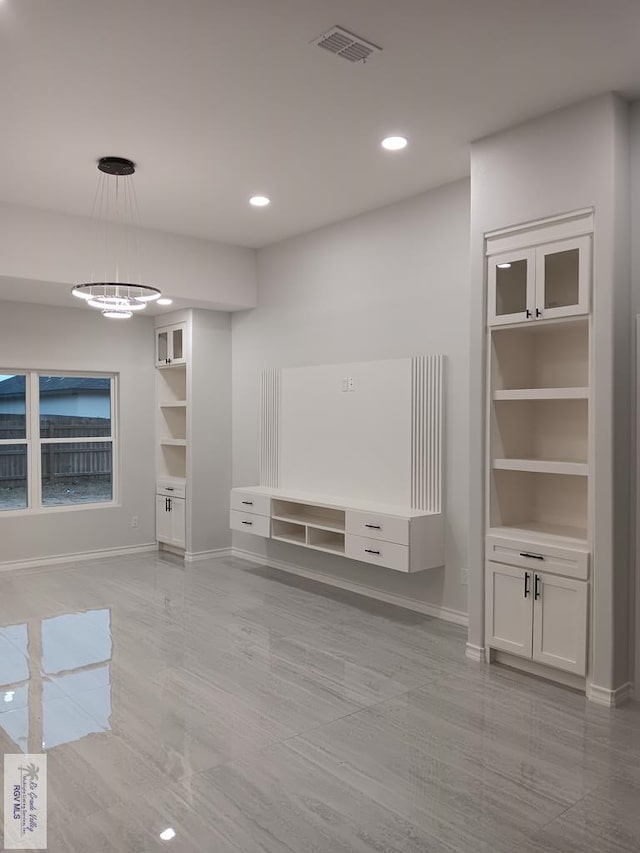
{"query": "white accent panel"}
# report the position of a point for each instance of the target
(270, 429)
(427, 373)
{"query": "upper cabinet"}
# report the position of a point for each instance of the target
(171, 346)
(541, 283)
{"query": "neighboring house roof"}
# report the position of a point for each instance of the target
(14, 386)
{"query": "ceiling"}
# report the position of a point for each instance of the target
(217, 100)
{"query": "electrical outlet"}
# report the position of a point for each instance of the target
(345, 384)
(464, 577)
(350, 384)
(134, 520)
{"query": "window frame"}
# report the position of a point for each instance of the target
(34, 442)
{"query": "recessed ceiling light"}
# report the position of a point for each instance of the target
(165, 301)
(504, 266)
(259, 200)
(394, 143)
(168, 834)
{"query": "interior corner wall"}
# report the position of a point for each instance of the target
(567, 160)
(67, 339)
(391, 283)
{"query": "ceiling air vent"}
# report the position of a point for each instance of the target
(347, 45)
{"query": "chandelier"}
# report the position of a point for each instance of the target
(115, 287)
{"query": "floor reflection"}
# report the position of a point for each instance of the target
(55, 679)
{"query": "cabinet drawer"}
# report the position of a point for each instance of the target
(389, 528)
(171, 488)
(537, 556)
(259, 525)
(387, 554)
(248, 502)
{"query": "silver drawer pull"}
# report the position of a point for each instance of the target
(531, 556)
(248, 503)
(371, 551)
(247, 522)
(374, 526)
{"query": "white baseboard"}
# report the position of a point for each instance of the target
(475, 653)
(445, 613)
(77, 557)
(609, 698)
(195, 557)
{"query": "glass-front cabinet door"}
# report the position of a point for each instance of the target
(171, 345)
(511, 287)
(563, 272)
(162, 346)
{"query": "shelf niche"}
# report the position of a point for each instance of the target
(288, 532)
(553, 504)
(550, 430)
(325, 517)
(552, 355)
(172, 385)
(172, 461)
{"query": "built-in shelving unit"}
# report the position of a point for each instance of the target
(171, 432)
(539, 452)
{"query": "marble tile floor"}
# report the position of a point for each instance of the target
(249, 710)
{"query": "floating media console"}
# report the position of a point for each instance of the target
(404, 540)
(351, 462)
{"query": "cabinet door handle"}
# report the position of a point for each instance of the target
(528, 313)
(536, 587)
(170, 504)
(371, 551)
(526, 584)
(374, 526)
(531, 556)
(248, 522)
(248, 503)
(538, 312)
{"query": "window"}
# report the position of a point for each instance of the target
(57, 440)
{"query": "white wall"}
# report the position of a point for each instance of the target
(391, 283)
(570, 159)
(210, 431)
(42, 246)
(635, 310)
(51, 339)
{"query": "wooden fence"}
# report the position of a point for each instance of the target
(72, 459)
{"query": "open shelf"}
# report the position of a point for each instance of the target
(562, 535)
(287, 532)
(299, 513)
(547, 503)
(174, 442)
(173, 424)
(171, 384)
(541, 394)
(554, 355)
(541, 435)
(173, 404)
(172, 460)
(544, 466)
(325, 540)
